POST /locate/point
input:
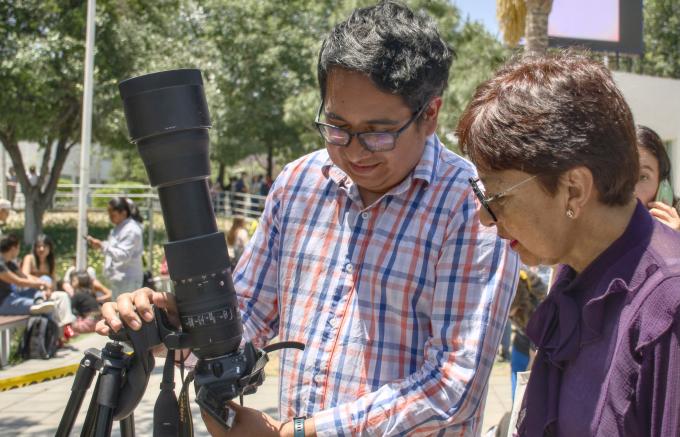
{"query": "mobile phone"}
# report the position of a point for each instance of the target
(665, 193)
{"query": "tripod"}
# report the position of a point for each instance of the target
(112, 364)
(123, 379)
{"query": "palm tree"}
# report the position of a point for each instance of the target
(528, 18)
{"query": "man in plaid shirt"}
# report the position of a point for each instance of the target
(371, 253)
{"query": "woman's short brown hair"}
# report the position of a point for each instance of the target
(548, 114)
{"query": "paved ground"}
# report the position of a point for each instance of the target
(36, 410)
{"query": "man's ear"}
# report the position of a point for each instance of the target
(430, 116)
(580, 187)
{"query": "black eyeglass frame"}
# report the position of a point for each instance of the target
(481, 196)
(362, 135)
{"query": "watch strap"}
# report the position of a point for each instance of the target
(299, 427)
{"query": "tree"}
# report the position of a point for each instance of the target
(263, 55)
(525, 18)
(478, 55)
(259, 60)
(662, 38)
(41, 71)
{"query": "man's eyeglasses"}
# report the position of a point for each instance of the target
(371, 141)
(474, 183)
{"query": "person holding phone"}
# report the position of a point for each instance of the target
(654, 188)
(123, 249)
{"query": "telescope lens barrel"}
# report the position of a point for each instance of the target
(167, 117)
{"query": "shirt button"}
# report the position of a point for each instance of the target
(364, 215)
(332, 322)
(318, 378)
(349, 268)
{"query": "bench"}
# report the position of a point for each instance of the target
(7, 323)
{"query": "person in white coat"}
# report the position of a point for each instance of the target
(123, 249)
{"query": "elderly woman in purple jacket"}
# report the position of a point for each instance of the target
(554, 143)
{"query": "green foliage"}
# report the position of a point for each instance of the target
(42, 49)
(258, 59)
(662, 38)
(102, 202)
(15, 342)
(41, 62)
(478, 55)
(61, 188)
(127, 165)
(263, 54)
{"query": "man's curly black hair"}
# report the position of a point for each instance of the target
(401, 51)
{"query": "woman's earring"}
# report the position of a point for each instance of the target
(570, 213)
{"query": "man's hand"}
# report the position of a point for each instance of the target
(250, 422)
(131, 308)
(665, 214)
(95, 243)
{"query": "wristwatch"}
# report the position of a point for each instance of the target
(299, 426)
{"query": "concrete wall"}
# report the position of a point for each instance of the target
(655, 102)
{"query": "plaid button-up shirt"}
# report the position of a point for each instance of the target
(401, 304)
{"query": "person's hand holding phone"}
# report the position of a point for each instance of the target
(665, 214)
(93, 242)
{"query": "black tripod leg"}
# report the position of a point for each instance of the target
(81, 384)
(104, 421)
(127, 426)
(109, 390)
(91, 417)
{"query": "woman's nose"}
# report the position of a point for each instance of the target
(485, 216)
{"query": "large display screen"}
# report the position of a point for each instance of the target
(605, 25)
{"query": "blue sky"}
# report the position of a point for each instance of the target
(480, 10)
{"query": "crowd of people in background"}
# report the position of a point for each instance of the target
(240, 194)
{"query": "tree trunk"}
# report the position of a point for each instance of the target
(220, 174)
(33, 215)
(38, 198)
(536, 31)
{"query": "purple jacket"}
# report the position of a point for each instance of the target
(608, 361)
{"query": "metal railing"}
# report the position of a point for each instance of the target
(225, 204)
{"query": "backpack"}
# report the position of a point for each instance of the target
(41, 338)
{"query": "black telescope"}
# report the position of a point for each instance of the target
(167, 117)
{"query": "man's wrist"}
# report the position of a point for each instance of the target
(288, 429)
(299, 427)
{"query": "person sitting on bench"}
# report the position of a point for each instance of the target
(25, 294)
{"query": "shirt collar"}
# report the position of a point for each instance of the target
(425, 170)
